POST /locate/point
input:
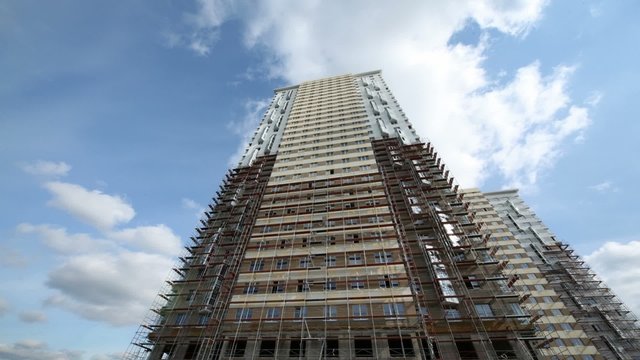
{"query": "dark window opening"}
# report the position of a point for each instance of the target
(363, 347)
(400, 347)
(298, 348)
(467, 350)
(277, 288)
(503, 349)
(236, 348)
(431, 353)
(168, 349)
(268, 348)
(331, 349)
(192, 350)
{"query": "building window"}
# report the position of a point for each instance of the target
(251, 288)
(332, 348)
(359, 311)
(267, 348)
(298, 348)
(566, 327)
(470, 282)
(363, 347)
(355, 259)
(203, 320)
(273, 313)
(257, 265)
(282, 264)
(452, 314)
(277, 288)
(393, 309)
(357, 283)
(303, 286)
(484, 310)
(243, 314)
(190, 296)
(389, 281)
(299, 312)
(375, 219)
(305, 262)
(401, 347)
(181, 318)
(516, 309)
(330, 261)
(330, 285)
(236, 348)
(576, 342)
(351, 221)
(330, 312)
(383, 258)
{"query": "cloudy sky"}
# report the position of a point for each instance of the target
(119, 119)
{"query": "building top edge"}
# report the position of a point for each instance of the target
(289, 87)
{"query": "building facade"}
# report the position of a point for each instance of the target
(604, 319)
(520, 247)
(341, 235)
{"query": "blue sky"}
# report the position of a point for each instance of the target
(119, 119)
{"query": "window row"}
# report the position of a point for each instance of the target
(329, 261)
(323, 163)
(328, 312)
(354, 283)
(361, 347)
(328, 223)
(319, 136)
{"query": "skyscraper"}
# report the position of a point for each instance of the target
(603, 317)
(522, 248)
(341, 235)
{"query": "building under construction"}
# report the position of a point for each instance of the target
(341, 235)
(606, 321)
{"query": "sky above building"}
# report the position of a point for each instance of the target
(118, 121)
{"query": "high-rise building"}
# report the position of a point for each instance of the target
(341, 235)
(580, 295)
(515, 234)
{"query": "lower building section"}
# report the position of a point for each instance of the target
(352, 345)
(386, 261)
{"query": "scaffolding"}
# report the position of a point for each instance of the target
(185, 320)
(344, 247)
(457, 284)
(611, 326)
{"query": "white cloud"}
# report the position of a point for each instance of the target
(103, 279)
(33, 316)
(604, 186)
(193, 205)
(29, 349)
(617, 264)
(47, 168)
(519, 126)
(155, 239)
(58, 239)
(511, 17)
(113, 288)
(205, 23)
(594, 98)
(190, 204)
(91, 206)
